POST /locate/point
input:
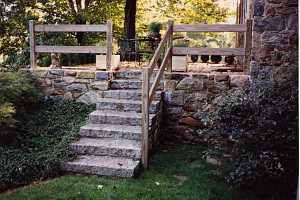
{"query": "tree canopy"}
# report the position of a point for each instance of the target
(14, 16)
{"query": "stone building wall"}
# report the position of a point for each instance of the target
(275, 39)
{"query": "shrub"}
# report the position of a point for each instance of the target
(264, 120)
(43, 143)
(17, 95)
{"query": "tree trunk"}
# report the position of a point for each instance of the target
(129, 22)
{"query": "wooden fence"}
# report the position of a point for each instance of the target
(166, 50)
(70, 49)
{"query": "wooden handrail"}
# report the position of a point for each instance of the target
(158, 51)
(158, 76)
(148, 93)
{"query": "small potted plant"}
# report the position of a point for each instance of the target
(204, 58)
(216, 59)
(229, 60)
(154, 29)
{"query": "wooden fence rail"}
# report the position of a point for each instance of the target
(70, 49)
(166, 48)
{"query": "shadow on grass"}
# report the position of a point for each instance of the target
(176, 172)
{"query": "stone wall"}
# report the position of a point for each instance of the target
(275, 39)
(186, 94)
(68, 84)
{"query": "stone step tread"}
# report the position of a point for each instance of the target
(129, 84)
(103, 165)
(112, 113)
(126, 94)
(108, 143)
(123, 101)
(113, 127)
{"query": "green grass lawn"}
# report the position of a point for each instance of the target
(176, 172)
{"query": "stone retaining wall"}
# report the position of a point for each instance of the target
(186, 94)
(68, 84)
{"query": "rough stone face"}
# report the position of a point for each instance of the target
(258, 9)
(56, 72)
(275, 37)
(221, 77)
(89, 98)
(85, 75)
(239, 81)
(189, 83)
(77, 87)
(100, 85)
(170, 85)
(175, 98)
(191, 122)
(68, 96)
(102, 76)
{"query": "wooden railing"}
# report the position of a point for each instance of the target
(238, 28)
(70, 49)
(148, 92)
(166, 49)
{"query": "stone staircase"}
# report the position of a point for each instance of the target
(110, 143)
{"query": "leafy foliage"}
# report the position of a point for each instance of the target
(42, 143)
(264, 119)
(17, 94)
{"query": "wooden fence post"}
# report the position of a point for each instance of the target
(109, 41)
(32, 45)
(170, 44)
(145, 118)
(248, 45)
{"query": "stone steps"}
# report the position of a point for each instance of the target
(108, 147)
(110, 142)
(119, 118)
(111, 131)
(129, 84)
(127, 94)
(125, 105)
(103, 165)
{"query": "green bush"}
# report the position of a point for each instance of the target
(44, 60)
(43, 143)
(18, 94)
(263, 118)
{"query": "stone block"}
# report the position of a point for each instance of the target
(89, 98)
(179, 63)
(190, 84)
(258, 7)
(85, 75)
(69, 79)
(100, 85)
(101, 61)
(56, 72)
(70, 73)
(76, 87)
(221, 77)
(239, 81)
(175, 98)
(175, 76)
(170, 85)
(68, 96)
(102, 76)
